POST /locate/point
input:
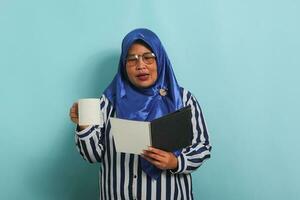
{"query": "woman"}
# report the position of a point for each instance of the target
(144, 89)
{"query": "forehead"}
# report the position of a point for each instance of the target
(137, 48)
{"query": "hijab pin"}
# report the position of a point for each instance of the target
(163, 92)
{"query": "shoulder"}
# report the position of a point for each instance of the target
(187, 96)
(104, 102)
(106, 107)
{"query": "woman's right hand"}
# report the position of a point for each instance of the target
(74, 115)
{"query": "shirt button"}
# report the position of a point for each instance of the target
(134, 176)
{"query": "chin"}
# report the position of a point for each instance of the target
(143, 85)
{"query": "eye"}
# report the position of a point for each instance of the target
(148, 56)
(131, 58)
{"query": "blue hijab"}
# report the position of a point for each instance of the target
(145, 104)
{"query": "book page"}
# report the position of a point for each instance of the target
(130, 136)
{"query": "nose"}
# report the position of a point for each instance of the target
(140, 63)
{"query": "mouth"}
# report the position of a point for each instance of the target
(143, 76)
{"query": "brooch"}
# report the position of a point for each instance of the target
(163, 92)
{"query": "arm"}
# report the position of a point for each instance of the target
(90, 140)
(89, 143)
(193, 156)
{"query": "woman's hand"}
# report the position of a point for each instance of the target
(74, 115)
(161, 159)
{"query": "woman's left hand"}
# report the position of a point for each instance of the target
(161, 159)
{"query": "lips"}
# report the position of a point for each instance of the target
(142, 76)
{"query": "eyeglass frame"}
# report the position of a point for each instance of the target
(137, 57)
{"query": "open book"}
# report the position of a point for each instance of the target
(169, 133)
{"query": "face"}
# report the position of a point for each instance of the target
(141, 66)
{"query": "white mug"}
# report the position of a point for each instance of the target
(89, 112)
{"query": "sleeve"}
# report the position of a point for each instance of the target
(90, 141)
(190, 158)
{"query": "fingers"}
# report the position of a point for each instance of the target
(161, 159)
(156, 151)
(153, 156)
(157, 163)
(74, 113)
(74, 108)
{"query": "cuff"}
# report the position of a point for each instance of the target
(85, 132)
(181, 165)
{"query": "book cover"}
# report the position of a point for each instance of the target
(172, 131)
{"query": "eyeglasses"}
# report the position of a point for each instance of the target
(148, 58)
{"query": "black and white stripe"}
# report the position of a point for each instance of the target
(121, 176)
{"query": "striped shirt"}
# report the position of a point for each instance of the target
(121, 175)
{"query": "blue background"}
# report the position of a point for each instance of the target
(239, 58)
